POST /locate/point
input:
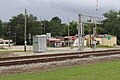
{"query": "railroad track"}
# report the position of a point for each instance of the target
(8, 61)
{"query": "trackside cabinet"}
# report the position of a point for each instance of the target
(39, 43)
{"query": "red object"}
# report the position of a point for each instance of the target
(74, 37)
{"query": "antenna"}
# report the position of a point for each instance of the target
(97, 7)
(94, 29)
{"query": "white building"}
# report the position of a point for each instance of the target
(5, 42)
(75, 43)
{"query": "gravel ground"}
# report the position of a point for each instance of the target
(52, 65)
(7, 54)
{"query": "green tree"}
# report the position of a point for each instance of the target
(73, 28)
(56, 26)
(17, 26)
(4, 29)
(1, 28)
(45, 26)
(112, 23)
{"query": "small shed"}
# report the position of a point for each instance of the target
(39, 43)
(108, 40)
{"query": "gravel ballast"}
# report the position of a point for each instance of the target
(52, 65)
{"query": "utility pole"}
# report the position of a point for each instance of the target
(44, 25)
(9, 32)
(15, 37)
(68, 32)
(83, 35)
(41, 25)
(30, 40)
(80, 32)
(94, 29)
(25, 42)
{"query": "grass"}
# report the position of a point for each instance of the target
(13, 51)
(101, 46)
(99, 71)
(98, 46)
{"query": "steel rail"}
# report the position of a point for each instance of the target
(59, 54)
(59, 58)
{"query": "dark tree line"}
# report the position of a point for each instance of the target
(15, 27)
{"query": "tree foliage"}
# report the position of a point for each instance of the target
(15, 26)
(1, 28)
(112, 23)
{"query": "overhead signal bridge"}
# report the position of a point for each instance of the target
(91, 19)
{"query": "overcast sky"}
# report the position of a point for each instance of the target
(49, 8)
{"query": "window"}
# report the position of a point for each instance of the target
(1, 43)
(6, 42)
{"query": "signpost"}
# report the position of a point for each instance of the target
(109, 37)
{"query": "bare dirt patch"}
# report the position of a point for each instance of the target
(7, 54)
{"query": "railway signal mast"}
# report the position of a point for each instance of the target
(87, 19)
(94, 29)
(80, 33)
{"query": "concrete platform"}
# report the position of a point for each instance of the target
(51, 50)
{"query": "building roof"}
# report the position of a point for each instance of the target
(99, 36)
(71, 37)
(2, 40)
